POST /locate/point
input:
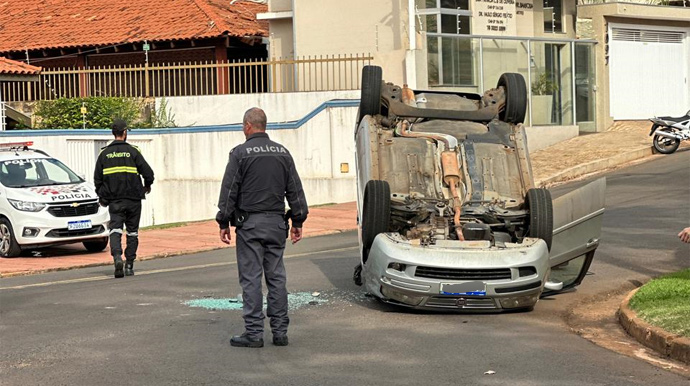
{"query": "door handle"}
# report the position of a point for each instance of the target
(592, 243)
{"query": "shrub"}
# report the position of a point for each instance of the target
(162, 116)
(65, 113)
(544, 86)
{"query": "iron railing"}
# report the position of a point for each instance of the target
(322, 73)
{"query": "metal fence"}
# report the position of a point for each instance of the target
(322, 73)
(2, 115)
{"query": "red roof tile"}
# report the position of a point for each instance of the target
(41, 24)
(17, 68)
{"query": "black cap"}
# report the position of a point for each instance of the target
(118, 126)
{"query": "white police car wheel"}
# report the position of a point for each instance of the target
(8, 245)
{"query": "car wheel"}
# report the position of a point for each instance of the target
(357, 275)
(376, 212)
(515, 106)
(665, 145)
(96, 245)
(370, 101)
(540, 208)
(8, 243)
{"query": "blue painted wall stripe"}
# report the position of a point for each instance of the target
(292, 125)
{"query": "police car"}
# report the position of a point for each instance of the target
(44, 203)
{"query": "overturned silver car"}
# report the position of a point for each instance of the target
(449, 217)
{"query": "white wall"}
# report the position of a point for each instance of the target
(189, 165)
(229, 109)
(540, 137)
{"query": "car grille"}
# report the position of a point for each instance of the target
(64, 232)
(463, 274)
(71, 211)
(466, 302)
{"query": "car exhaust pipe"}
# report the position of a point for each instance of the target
(451, 176)
(449, 166)
(403, 130)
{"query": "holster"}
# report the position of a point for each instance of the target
(287, 217)
(238, 218)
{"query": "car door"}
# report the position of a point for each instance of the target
(577, 219)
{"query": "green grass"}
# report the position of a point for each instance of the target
(665, 302)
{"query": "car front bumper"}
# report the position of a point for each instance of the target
(419, 276)
(49, 230)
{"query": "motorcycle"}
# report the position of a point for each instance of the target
(669, 131)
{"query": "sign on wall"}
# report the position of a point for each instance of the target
(524, 10)
(495, 17)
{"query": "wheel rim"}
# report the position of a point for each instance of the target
(665, 142)
(5, 239)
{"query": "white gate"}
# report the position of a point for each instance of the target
(648, 72)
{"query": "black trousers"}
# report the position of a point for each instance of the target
(260, 246)
(127, 213)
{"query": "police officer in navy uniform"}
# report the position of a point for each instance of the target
(118, 179)
(259, 176)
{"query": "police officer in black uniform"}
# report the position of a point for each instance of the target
(259, 176)
(119, 170)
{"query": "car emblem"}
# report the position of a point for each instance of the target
(460, 302)
(75, 204)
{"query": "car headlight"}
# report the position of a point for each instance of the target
(27, 206)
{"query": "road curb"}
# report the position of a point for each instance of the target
(104, 263)
(670, 345)
(597, 165)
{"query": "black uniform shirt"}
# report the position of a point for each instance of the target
(119, 170)
(259, 176)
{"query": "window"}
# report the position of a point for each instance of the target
(450, 59)
(455, 4)
(455, 24)
(553, 16)
(36, 172)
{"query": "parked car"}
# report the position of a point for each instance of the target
(449, 215)
(44, 203)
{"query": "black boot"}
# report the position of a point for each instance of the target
(129, 268)
(119, 272)
(245, 340)
(280, 340)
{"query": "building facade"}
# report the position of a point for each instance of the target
(17, 72)
(643, 61)
(462, 45)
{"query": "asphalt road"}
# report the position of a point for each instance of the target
(83, 327)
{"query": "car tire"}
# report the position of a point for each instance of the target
(376, 212)
(665, 149)
(515, 106)
(370, 100)
(540, 208)
(96, 245)
(8, 243)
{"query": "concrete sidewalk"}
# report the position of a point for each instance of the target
(624, 142)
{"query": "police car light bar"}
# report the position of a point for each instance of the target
(12, 145)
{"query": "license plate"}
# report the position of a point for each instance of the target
(476, 288)
(76, 225)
